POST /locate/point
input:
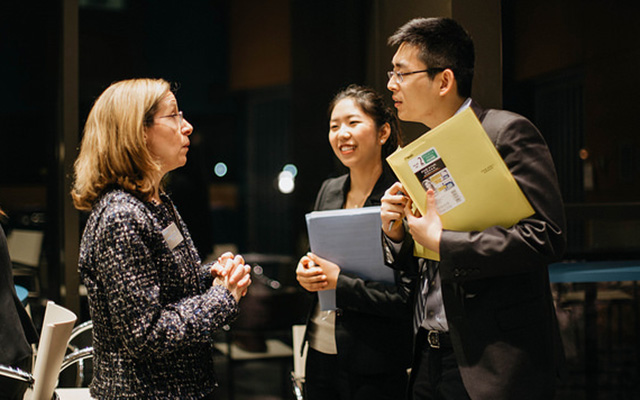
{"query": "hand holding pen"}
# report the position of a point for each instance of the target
(392, 211)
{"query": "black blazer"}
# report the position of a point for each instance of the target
(373, 320)
(495, 283)
(16, 329)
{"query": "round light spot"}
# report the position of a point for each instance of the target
(286, 183)
(291, 168)
(220, 169)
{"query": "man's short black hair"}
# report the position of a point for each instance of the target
(443, 43)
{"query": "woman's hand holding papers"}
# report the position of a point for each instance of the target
(315, 273)
(425, 229)
(392, 211)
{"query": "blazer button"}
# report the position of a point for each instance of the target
(338, 312)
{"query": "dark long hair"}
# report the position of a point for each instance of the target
(375, 107)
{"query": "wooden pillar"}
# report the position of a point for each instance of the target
(69, 224)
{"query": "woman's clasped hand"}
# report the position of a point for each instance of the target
(231, 272)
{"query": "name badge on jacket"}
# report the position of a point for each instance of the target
(172, 235)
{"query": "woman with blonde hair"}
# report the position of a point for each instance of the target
(153, 304)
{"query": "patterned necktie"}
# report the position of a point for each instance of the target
(428, 271)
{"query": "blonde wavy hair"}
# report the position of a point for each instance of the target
(113, 151)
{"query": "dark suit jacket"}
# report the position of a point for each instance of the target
(16, 329)
(495, 283)
(373, 320)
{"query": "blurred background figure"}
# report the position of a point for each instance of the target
(17, 332)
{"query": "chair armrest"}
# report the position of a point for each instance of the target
(17, 374)
(75, 357)
(78, 330)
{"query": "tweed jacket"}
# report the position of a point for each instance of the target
(154, 308)
(373, 320)
(495, 283)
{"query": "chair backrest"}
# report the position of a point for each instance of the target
(299, 357)
(25, 246)
(56, 330)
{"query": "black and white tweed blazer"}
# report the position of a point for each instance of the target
(154, 309)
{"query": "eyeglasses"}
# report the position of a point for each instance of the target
(179, 115)
(400, 75)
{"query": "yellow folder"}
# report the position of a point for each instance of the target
(474, 188)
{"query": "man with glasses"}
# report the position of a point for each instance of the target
(484, 320)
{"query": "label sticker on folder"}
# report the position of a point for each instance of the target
(431, 171)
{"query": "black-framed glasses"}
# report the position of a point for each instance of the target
(400, 75)
(179, 115)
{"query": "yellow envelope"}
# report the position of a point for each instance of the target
(474, 188)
